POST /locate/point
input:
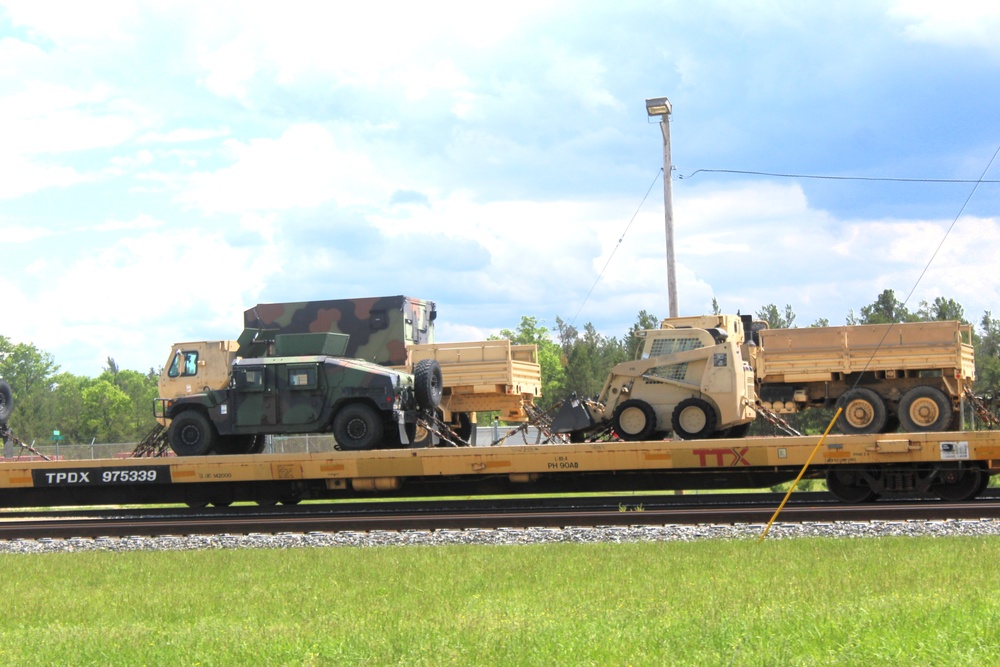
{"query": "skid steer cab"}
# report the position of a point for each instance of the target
(689, 379)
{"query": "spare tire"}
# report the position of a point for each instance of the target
(6, 401)
(428, 384)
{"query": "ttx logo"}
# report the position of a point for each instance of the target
(718, 457)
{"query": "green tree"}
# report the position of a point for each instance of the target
(141, 390)
(988, 359)
(105, 411)
(886, 309)
(776, 319)
(633, 342)
(64, 407)
(29, 372)
(588, 358)
(531, 332)
(940, 310)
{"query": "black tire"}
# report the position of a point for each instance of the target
(925, 409)
(239, 444)
(6, 401)
(739, 431)
(694, 419)
(959, 484)
(191, 434)
(634, 420)
(864, 412)
(849, 486)
(428, 384)
(358, 426)
(258, 445)
(464, 427)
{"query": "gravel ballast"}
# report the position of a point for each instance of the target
(510, 536)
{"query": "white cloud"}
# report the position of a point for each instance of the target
(960, 23)
(303, 168)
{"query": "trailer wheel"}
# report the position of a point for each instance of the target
(6, 401)
(634, 420)
(357, 426)
(191, 434)
(864, 412)
(925, 408)
(694, 419)
(849, 486)
(428, 384)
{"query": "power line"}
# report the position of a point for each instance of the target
(618, 245)
(977, 181)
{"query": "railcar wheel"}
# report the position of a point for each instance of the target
(849, 486)
(6, 401)
(357, 426)
(694, 419)
(864, 412)
(959, 484)
(925, 408)
(634, 420)
(191, 434)
(428, 383)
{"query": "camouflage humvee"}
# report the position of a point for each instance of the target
(380, 328)
(304, 389)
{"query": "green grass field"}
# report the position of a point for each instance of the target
(890, 601)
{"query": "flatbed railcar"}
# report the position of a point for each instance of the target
(953, 466)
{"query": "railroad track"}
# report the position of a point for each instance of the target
(479, 514)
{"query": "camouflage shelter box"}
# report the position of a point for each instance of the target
(380, 328)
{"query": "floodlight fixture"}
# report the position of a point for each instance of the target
(658, 106)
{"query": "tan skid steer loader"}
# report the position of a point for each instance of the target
(690, 379)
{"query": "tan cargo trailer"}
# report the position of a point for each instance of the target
(912, 374)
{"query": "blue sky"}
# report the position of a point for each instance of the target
(165, 165)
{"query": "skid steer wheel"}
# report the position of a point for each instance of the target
(694, 419)
(864, 412)
(634, 420)
(191, 434)
(925, 409)
(6, 401)
(357, 426)
(427, 384)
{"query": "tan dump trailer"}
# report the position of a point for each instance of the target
(885, 376)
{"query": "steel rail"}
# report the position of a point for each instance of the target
(251, 520)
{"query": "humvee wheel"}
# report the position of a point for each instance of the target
(357, 426)
(959, 484)
(925, 409)
(634, 420)
(864, 412)
(191, 434)
(694, 419)
(428, 384)
(239, 444)
(6, 401)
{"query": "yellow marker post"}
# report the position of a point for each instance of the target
(801, 473)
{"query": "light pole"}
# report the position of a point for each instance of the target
(660, 106)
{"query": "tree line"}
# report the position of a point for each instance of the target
(116, 406)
